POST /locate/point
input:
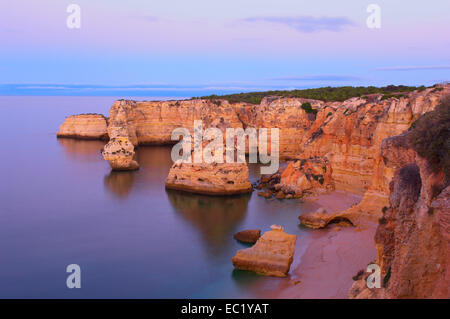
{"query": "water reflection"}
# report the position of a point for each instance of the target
(154, 162)
(120, 183)
(215, 217)
(82, 150)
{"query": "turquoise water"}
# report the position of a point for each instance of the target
(60, 204)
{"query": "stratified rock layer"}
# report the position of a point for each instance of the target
(272, 254)
(153, 122)
(347, 134)
(84, 126)
(209, 179)
(413, 238)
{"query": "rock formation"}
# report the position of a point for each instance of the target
(119, 152)
(321, 219)
(272, 254)
(209, 179)
(147, 123)
(84, 126)
(413, 237)
(306, 175)
(347, 135)
(249, 236)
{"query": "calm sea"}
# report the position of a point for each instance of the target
(60, 204)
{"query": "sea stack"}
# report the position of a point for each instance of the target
(209, 179)
(119, 152)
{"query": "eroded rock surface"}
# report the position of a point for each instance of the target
(272, 254)
(345, 134)
(119, 153)
(413, 237)
(209, 179)
(84, 126)
(321, 219)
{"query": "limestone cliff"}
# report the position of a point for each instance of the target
(413, 238)
(153, 122)
(84, 126)
(347, 134)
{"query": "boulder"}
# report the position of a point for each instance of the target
(248, 236)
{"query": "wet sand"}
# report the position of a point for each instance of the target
(331, 257)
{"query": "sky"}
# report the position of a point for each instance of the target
(200, 47)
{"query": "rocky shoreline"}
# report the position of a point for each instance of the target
(356, 146)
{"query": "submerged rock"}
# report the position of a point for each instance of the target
(248, 236)
(209, 179)
(272, 254)
(84, 126)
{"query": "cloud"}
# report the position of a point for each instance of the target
(325, 77)
(307, 24)
(414, 68)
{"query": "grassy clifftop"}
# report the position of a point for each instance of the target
(325, 94)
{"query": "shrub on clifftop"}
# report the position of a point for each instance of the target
(430, 137)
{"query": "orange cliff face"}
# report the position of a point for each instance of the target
(413, 237)
(84, 126)
(143, 123)
(346, 134)
(153, 122)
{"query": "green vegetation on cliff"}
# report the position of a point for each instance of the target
(430, 137)
(325, 94)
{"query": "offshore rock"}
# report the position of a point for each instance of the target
(272, 254)
(209, 179)
(84, 126)
(119, 152)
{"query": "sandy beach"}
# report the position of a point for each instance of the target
(324, 267)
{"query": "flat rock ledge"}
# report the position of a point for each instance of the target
(272, 254)
(321, 219)
(209, 179)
